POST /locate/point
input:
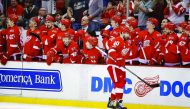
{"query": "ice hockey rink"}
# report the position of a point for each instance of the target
(4, 105)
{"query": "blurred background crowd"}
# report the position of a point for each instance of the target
(145, 32)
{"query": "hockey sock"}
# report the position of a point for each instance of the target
(119, 96)
(113, 97)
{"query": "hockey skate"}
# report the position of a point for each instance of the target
(119, 105)
(110, 104)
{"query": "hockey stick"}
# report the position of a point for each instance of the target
(150, 85)
(144, 55)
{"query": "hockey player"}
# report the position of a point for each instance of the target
(116, 52)
(132, 23)
(184, 47)
(91, 54)
(49, 39)
(105, 37)
(181, 26)
(66, 23)
(132, 52)
(116, 62)
(2, 44)
(172, 37)
(68, 48)
(184, 38)
(115, 23)
(148, 39)
(13, 50)
(33, 45)
(80, 38)
(170, 55)
(64, 26)
(169, 52)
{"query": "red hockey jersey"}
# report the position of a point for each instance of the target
(12, 40)
(170, 54)
(116, 52)
(33, 45)
(132, 52)
(49, 40)
(70, 53)
(2, 43)
(147, 51)
(183, 40)
(91, 56)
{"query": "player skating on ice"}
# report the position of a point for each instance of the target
(115, 47)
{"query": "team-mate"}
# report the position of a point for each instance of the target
(115, 32)
(132, 52)
(169, 52)
(170, 33)
(181, 27)
(2, 44)
(64, 26)
(132, 23)
(105, 37)
(13, 46)
(67, 48)
(115, 23)
(33, 46)
(91, 54)
(184, 47)
(148, 42)
(49, 39)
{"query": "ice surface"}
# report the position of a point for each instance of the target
(34, 106)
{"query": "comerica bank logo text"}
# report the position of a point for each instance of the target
(30, 79)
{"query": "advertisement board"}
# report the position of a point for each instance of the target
(30, 79)
(92, 83)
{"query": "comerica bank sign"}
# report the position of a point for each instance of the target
(30, 79)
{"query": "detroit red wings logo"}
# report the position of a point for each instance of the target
(141, 89)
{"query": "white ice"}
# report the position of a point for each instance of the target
(33, 106)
